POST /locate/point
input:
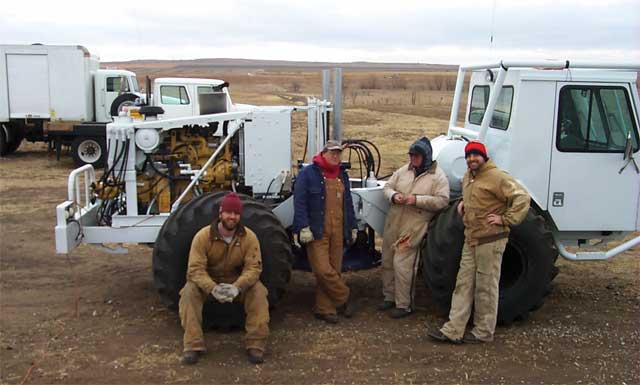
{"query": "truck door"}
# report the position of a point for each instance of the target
(28, 78)
(114, 87)
(587, 191)
(175, 101)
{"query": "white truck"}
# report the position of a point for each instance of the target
(59, 95)
(567, 131)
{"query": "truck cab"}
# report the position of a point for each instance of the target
(109, 85)
(180, 97)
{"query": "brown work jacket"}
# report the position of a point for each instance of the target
(213, 261)
(405, 225)
(491, 191)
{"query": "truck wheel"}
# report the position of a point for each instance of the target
(171, 254)
(122, 101)
(3, 140)
(528, 264)
(17, 135)
(89, 150)
(11, 139)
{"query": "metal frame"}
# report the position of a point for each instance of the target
(502, 68)
(76, 219)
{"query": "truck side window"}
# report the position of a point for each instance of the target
(117, 84)
(594, 119)
(174, 95)
(502, 112)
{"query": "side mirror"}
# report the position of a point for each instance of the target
(628, 148)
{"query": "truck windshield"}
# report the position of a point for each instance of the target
(134, 84)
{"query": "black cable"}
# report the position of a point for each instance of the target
(264, 197)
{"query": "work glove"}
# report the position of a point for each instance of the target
(306, 235)
(219, 294)
(230, 291)
(225, 292)
(354, 237)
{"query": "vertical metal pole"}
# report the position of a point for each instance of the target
(312, 128)
(326, 80)
(456, 99)
(337, 104)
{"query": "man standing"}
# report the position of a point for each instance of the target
(225, 262)
(323, 219)
(417, 191)
(492, 201)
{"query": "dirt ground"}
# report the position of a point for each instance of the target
(94, 317)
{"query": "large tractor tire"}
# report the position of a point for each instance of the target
(171, 254)
(89, 150)
(528, 264)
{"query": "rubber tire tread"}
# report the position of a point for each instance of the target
(171, 254)
(441, 260)
(18, 135)
(3, 142)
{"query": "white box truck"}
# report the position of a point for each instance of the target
(59, 95)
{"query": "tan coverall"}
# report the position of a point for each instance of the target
(213, 261)
(488, 191)
(325, 255)
(405, 227)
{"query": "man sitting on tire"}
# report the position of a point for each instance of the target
(417, 191)
(225, 262)
(492, 201)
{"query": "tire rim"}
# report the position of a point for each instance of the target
(89, 151)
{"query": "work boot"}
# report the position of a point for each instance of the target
(470, 338)
(438, 335)
(386, 305)
(190, 357)
(400, 313)
(328, 318)
(255, 356)
(346, 309)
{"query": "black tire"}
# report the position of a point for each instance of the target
(171, 254)
(16, 137)
(3, 140)
(89, 150)
(528, 264)
(10, 139)
(121, 101)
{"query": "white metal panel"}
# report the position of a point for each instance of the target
(596, 196)
(531, 129)
(267, 147)
(67, 86)
(4, 87)
(28, 78)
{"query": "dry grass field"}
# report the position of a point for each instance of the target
(94, 317)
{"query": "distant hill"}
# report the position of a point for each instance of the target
(279, 65)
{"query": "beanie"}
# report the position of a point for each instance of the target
(477, 148)
(231, 203)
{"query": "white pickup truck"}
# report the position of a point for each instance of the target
(58, 95)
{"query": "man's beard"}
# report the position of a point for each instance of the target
(229, 225)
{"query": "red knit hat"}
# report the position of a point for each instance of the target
(231, 203)
(474, 147)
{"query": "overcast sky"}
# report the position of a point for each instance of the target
(446, 31)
